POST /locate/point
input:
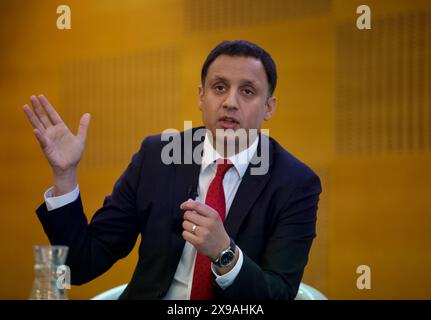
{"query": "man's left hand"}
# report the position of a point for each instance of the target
(209, 237)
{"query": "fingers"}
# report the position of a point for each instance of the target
(45, 115)
(83, 126)
(195, 218)
(190, 227)
(53, 115)
(40, 137)
(40, 112)
(190, 237)
(199, 207)
(188, 233)
(34, 120)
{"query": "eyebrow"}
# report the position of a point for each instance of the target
(243, 82)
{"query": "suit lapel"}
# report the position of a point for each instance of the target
(186, 180)
(248, 191)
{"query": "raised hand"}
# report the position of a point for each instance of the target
(61, 147)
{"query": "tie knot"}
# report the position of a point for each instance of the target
(222, 168)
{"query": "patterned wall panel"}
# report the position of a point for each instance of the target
(214, 15)
(383, 84)
(129, 97)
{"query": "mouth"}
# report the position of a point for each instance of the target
(228, 122)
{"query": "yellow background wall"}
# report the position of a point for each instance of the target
(361, 121)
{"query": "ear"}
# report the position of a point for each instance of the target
(201, 96)
(270, 107)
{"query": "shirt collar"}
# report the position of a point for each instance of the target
(240, 160)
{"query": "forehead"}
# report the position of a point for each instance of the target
(236, 68)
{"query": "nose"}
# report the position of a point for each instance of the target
(231, 101)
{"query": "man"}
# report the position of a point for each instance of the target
(245, 236)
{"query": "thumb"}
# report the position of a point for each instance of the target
(83, 126)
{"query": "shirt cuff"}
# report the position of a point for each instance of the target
(227, 279)
(53, 203)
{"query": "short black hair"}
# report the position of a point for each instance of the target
(243, 48)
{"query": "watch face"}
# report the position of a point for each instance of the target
(226, 258)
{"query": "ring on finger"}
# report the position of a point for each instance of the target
(194, 229)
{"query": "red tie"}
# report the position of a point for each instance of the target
(202, 287)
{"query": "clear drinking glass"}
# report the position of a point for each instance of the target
(48, 261)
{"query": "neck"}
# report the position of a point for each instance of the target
(230, 145)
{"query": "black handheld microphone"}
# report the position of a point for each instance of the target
(192, 191)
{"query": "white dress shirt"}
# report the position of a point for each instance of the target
(181, 285)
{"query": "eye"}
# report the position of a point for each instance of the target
(219, 88)
(248, 92)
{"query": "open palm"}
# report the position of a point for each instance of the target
(61, 147)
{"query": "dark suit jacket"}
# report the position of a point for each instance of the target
(272, 219)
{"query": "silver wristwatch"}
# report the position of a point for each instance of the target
(226, 257)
